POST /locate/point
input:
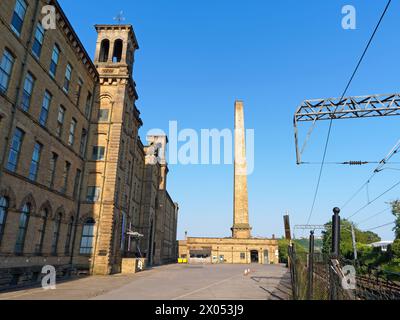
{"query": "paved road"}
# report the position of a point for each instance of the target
(174, 282)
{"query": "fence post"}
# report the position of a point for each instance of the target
(335, 252)
(292, 264)
(336, 233)
(310, 281)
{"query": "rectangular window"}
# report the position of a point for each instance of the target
(60, 121)
(53, 167)
(98, 153)
(34, 168)
(242, 256)
(15, 150)
(54, 61)
(18, 16)
(103, 114)
(82, 146)
(67, 169)
(38, 41)
(93, 194)
(27, 93)
(88, 106)
(79, 91)
(77, 183)
(6, 66)
(67, 79)
(86, 246)
(72, 128)
(44, 113)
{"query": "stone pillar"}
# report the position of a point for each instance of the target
(241, 228)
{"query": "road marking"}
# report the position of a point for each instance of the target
(209, 286)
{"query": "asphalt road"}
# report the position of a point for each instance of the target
(173, 282)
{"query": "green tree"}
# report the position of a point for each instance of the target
(346, 241)
(396, 248)
(396, 213)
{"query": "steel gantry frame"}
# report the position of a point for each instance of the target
(346, 108)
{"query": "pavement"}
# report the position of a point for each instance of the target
(173, 282)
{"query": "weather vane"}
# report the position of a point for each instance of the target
(120, 17)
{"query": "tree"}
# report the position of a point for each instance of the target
(396, 248)
(396, 213)
(346, 241)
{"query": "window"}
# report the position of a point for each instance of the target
(34, 168)
(117, 55)
(3, 215)
(54, 61)
(15, 150)
(44, 113)
(38, 41)
(60, 121)
(6, 65)
(27, 93)
(98, 153)
(56, 234)
(103, 114)
(22, 228)
(88, 105)
(242, 256)
(67, 168)
(118, 191)
(18, 16)
(72, 128)
(82, 146)
(67, 79)
(79, 91)
(42, 232)
(123, 229)
(129, 175)
(87, 237)
(69, 236)
(53, 166)
(104, 50)
(77, 183)
(93, 194)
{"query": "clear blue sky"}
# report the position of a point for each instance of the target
(197, 57)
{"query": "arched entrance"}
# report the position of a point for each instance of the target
(254, 256)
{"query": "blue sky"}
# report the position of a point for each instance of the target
(197, 57)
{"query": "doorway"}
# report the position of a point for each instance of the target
(254, 256)
(266, 257)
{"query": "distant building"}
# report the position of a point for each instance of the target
(383, 245)
(74, 179)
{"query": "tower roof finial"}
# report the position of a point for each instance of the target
(120, 17)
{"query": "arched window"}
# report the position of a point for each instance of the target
(117, 54)
(56, 234)
(104, 50)
(87, 237)
(69, 235)
(22, 228)
(42, 231)
(3, 215)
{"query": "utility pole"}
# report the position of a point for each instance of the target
(286, 223)
(310, 282)
(353, 236)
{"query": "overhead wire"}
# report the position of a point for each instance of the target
(342, 96)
